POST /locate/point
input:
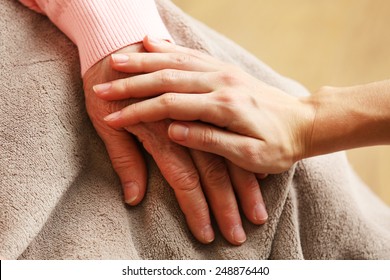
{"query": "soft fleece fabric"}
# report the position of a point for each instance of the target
(60, 198)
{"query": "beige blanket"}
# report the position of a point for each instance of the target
(60, 198)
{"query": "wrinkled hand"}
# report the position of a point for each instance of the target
(178, 165)
(257, 127)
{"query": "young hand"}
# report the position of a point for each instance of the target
(257, 127)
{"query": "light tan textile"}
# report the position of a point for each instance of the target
(60, 198)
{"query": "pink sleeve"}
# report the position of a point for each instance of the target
(100, 27)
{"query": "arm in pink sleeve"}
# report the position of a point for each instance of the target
(100, 27)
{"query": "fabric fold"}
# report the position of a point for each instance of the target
(60, 198)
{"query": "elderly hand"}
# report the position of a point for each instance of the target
(187, 171)
(255, 126)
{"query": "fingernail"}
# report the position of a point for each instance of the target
(102, 88)
(155, 40)
(113, 116)
(131, 191)
(120, 58)
(178, 132)
(208, 234)
(239, 235)
(260, 213)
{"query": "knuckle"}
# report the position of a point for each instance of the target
(121, 163)
(167, 77)
(226, 96)
(113, 106)
(229, 104)
(125, 84)
(228, 78)
(215, 173)
(251, 153)
(186, 181)
(209, 138)
(168, 99)
(182, 59)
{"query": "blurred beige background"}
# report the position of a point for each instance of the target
(334, 42)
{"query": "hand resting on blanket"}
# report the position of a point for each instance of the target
(194, 175)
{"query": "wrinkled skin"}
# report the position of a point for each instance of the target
(193, 175)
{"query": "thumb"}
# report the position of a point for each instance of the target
(128, 163)
(242, 150)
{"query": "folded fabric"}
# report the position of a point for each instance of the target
(60, 198)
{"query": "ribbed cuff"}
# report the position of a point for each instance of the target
(99, 28)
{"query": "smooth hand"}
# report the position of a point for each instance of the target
(187, 171)
(255, 126)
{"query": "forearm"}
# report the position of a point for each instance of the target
(99, 28)
(350, 117)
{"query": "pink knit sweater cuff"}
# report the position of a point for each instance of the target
(99, 28)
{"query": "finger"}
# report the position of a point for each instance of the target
(181, 174)
(177, 167)
(245, 152)
(220, 195)
(184, 107)
(151, 62)
(153, 84)
(128, 163)
(153, 44)
(248, 190)
(261, 176)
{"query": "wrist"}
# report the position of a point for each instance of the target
(99, 28)
(349, 117)
(327, 129)
(307, 118)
